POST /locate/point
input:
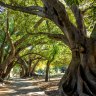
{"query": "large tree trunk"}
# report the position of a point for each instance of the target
(80, 78)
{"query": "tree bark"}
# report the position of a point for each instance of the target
(47, 71)
(80, 78)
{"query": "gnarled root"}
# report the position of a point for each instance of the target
(81, 83)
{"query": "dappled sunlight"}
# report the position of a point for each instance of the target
(37, 93)
(26, 87)
(8, 91)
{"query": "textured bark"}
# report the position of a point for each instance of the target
(80, 78)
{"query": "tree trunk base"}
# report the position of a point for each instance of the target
(81, 83)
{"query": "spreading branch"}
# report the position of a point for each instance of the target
(79, 19)
(35, 10)
(59, 37)
(40, 11)
(53, 10)
(57, 13)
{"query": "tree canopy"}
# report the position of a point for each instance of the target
(45, 29)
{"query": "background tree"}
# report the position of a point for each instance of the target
(18, 36)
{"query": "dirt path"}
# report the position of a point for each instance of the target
(23, 87)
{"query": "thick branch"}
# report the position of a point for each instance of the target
(79, 19)
(59, 37)
(57, 12)
(35, 10)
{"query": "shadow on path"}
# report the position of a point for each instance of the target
(25, 87)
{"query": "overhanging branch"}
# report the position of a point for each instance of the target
(79, 18)
(59, 37)
(58, 14)
(35, 10)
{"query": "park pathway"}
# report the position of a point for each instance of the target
(23, 87)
